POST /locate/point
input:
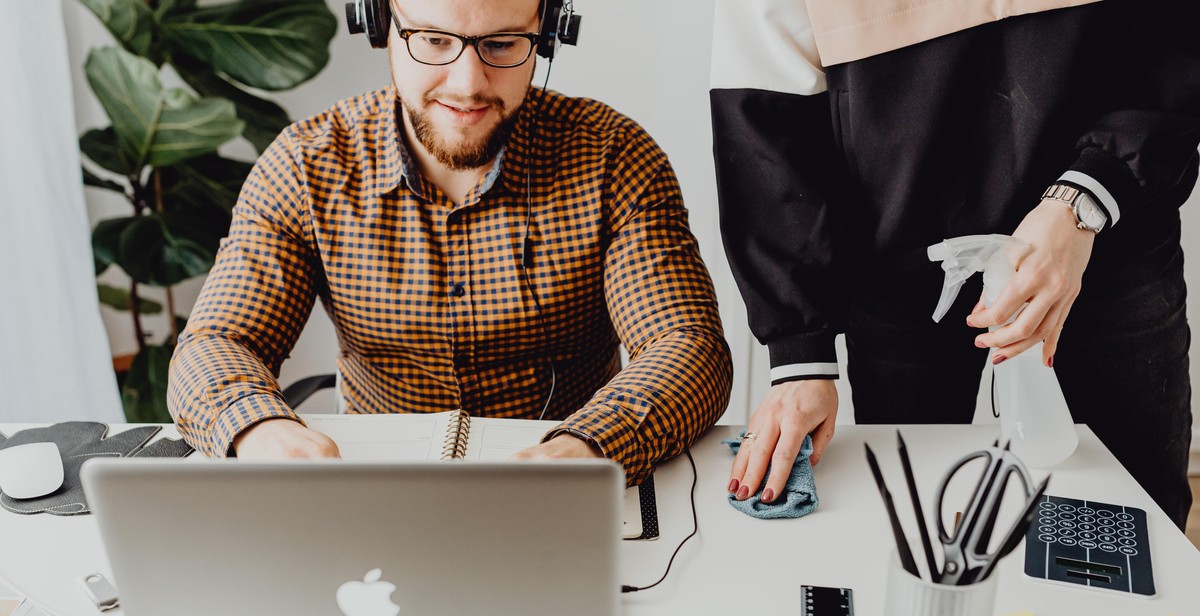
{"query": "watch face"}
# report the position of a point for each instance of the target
(1089, 213)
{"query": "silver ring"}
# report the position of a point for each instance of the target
(749, 435)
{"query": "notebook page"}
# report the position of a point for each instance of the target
(385, 438)
(495, 440)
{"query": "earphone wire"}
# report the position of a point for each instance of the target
(525, 242)
(695, 528)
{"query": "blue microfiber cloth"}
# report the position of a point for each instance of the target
(799, 496)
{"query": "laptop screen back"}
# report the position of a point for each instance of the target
(360, 539)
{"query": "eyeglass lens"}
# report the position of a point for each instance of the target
(500, 50)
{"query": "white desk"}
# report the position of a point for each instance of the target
(737, 564)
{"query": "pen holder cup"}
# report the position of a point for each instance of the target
(909, 595)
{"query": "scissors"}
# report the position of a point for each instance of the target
(967, 558)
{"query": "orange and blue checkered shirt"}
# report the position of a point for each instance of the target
(576, 242)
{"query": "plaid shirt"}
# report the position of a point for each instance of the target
(575, 242)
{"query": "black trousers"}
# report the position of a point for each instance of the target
(1122, 359)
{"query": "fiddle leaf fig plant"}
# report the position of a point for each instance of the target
(161, 149)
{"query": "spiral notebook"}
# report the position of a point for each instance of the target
(409, 437)
(455, 435)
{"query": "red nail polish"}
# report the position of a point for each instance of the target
(980, 345)
(743, 492)
(768, 495)
(733, 486)
(999, 359)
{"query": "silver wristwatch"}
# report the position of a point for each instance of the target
(1088, 214)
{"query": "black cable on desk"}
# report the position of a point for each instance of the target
(695, 527)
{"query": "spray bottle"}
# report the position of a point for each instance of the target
(1033, 414)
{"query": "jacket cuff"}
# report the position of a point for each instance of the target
(1107, 179)
(804, 356)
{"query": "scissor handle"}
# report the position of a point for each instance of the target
(962, 549)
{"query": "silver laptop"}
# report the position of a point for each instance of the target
(361, 539)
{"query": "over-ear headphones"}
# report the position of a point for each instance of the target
(559, 25)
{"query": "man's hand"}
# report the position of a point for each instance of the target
(791, 411)
(561, 446)
(280, 438)
(1048, 277)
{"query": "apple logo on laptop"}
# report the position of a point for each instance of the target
(370, 597)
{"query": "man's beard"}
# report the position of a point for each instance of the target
(467, 156)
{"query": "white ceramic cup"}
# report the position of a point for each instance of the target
(909, 595)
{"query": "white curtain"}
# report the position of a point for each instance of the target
(55, 363)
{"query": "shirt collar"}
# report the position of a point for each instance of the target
(511, 165)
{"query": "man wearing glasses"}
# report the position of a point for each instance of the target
(478, 244)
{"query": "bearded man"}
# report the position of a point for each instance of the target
(478, 244)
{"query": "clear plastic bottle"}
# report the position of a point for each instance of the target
(1034, 417)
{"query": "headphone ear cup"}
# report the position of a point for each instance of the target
(372, 17)
(379, 22)
(548, 37)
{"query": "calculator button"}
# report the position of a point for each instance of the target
(1087, 511)
(1066, 515)
(1087, 543)
(1109, 524)
(1127, 542)
(1067, 524)
(1126, 533)
(1087, 535)
(1048, 506)
(1125, 525)
(1087, 527)
(1128, 551)
(1108, 547)
(1066, 532)
(1047, 538)
(1046, 521)
(1068, 541)
(1066, 508)
(1105, 513)
(1124, 516)
(1087, 519)
(1045, 529)
(1106, 538)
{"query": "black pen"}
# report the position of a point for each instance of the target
(906, 557)
(926, 544)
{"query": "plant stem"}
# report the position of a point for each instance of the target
(172, 326)
(135, 306)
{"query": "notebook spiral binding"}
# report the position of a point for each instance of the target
(455, 446)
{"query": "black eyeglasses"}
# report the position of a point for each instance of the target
(437, 47)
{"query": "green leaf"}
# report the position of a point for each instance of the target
(91, 179)
(130, 21)
(264, 119)
(132, 95)
(144, 394)
(165, 250)
(203, 184)
(154, 126)
(193, 129)
(118, 298)
(106, 240)
(267, 44)
(100, 145)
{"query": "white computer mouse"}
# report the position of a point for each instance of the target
(30, 470)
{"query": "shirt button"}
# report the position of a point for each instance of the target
(458, 290)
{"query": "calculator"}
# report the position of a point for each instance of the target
(1092, 544)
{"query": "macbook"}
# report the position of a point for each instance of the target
(329, 538)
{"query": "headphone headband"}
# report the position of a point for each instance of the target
(373, 18)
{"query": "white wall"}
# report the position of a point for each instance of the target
(647, 58)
